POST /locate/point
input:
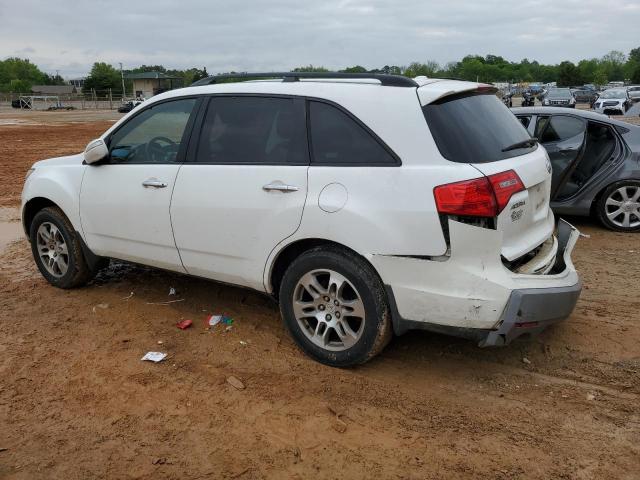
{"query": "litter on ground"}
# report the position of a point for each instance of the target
(214, 320)
(166, 303)
(184, 324)
(102, 306)
(235, 382)
(154, 357)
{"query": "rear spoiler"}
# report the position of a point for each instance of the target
(434, 91)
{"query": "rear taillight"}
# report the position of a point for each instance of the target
(505, 184)
(480, 197)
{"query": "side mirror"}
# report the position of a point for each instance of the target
(95, 151)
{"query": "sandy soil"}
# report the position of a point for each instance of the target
(76, 402)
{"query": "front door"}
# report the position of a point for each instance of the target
(243, 187)
(124, 201)
(563, 136)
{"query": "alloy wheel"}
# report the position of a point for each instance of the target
(52, 249)
(622, 207)
(329, 310)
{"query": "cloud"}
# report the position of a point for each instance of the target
(282, 34)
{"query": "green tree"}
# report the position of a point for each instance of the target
(600, 77)
(53, 79)
(568, 75)
(19, 75)
(310, 68)
(427, 69)
(19, 86)
(613, 64)
(148, 68)
(634, 54)
(635, 75)
(355, 69)
(102, 78)
(200, 74)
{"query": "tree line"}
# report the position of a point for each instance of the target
(19, 75)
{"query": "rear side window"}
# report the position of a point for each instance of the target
(474, 128)
(337, 139)
(254, 130)
(562, 127)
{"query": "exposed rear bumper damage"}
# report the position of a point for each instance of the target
(474, 295)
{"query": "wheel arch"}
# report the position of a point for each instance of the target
(291, 251)
(31, 208)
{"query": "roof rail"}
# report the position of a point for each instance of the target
(385, 79)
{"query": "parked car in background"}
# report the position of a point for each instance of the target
(559, 97)
(585, 96)
(634, 93)
(365, 204)
(613, 101)
(126, 107)
(596, 164)
(507, 99)
(528, 99)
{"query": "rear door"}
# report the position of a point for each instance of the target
(243, 187)
(563, 136)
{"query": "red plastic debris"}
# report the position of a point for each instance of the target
(184, 324)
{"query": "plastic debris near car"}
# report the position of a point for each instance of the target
(184, 324)
(154, 357)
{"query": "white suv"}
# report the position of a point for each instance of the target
(366, 204)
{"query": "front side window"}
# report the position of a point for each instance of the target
(254, 130)
(337, 139)
(154, 135)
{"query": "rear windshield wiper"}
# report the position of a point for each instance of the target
(529, 142)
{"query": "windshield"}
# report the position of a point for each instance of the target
(559, 93)
(473, 128)
(613, 94)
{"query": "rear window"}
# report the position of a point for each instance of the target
(475, 128)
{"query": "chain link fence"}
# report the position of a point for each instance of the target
(94, 100)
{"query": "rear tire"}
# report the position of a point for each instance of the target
(335, 307)
(618, 208)
(57, 250)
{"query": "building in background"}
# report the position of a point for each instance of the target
(53, 90)
(148, 84)
(77, 82)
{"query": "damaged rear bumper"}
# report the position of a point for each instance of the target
(473, 295)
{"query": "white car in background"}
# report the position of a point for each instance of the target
(364, 204)
(613, 100)
(634, 93)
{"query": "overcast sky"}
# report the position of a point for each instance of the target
(238, 35)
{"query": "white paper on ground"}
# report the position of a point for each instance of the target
(214, 320)
(154, 356)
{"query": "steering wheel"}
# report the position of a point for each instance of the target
(155, 151)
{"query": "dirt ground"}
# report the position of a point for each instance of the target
(76, 402)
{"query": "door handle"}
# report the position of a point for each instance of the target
(153, 182)
(281, 187)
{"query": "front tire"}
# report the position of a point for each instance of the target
(57, 250)
(334, 305)
(619, 206)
